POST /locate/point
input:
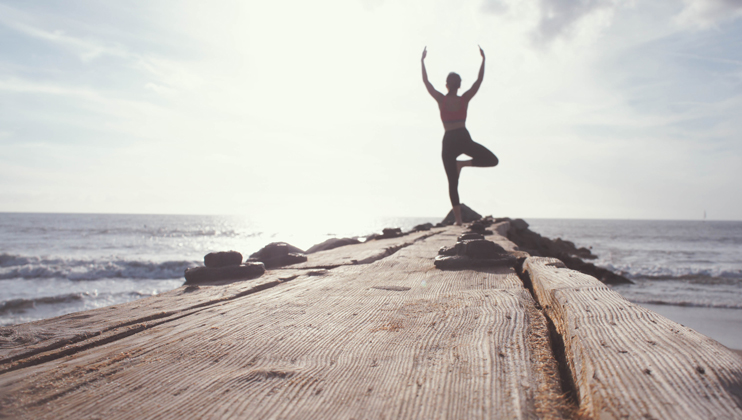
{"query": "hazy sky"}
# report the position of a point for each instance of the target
(599, 109)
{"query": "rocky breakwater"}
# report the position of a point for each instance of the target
(220, 267)
(566, 251)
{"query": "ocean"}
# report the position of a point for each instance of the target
(53, 264)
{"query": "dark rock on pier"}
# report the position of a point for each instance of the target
(391, 232)
(332, 243)
(470, 235)
(210, 275)
(278, 254)
(386, 233)
(480, 227)
(421, 227)
(469, 253)
(467, 215)
(222, 259)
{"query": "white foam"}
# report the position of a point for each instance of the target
(30, 267)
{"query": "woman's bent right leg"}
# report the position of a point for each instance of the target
(480, 155)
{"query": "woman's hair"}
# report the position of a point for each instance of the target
(453, 81)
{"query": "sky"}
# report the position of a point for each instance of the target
(595, 108)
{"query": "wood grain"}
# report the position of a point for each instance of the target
(363, 253)
(396, 338)
(26, 343)
(629, 362)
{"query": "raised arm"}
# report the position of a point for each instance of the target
(475, 87)
(434, 93)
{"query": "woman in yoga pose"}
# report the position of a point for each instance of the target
(456, 140)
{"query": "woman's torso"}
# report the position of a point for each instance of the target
(453, 112)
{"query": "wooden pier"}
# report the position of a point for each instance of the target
(373, 331)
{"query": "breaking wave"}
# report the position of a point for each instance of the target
(701, 275)
(685, 302)
(17, 266)
(14, 306)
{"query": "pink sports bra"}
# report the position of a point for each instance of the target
(453, 109)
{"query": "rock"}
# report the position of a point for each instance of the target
(467, 215)
(473, 253)
(222, 259)
(386, 234)
(470, 235)
(424, 226)
(487, 221)
(332, 243)
(458, 262)
(206, 275)
(278, 254)
(477, 227)
(519, 224)
(447, 250)
(479, 248)
(391, 232)
(585, 253)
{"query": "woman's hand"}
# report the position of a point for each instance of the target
(481, 52)
(425, 52)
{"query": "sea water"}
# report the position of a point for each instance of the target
(52, 264)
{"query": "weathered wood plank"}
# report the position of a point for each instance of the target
(37, 339)
(363, 253)
(23, 341)
(629, 362)
(393, 339)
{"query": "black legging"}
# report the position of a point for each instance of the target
(455, 143)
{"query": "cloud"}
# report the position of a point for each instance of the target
(372, 5)
(87, 49)
(703, 14)
(167, 73)
(559, 17)
(497, 7)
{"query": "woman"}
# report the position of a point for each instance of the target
(457, 140)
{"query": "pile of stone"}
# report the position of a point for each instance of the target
(386, 233)
(332, 243)
(222, 267)
(278, 254)
(472, 250)
(422, 227)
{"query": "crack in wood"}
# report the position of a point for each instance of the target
(556, 340)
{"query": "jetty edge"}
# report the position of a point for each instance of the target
(373, 330)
